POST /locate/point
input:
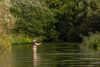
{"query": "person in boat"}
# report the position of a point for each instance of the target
(35, 44)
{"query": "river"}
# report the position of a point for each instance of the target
(52, 55)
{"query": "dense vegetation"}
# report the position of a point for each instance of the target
(93, 41)
(6, 25)
(56, 20)
(49, 20)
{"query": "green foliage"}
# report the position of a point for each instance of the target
(21, 39)
(6, 25)
(75, 17)
(56, 20)
(93, 41)
(32, 17)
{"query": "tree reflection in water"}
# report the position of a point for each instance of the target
(4, 56)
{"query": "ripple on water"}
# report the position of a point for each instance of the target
(53, 56)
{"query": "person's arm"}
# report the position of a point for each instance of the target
(37, 43)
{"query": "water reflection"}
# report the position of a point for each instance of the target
(69, 55)
(35, 57)
(5, 54)
(91, 56)
(22, 56)
(51, 55)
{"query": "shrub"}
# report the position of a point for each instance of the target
(21, 39)
(6, 25)
(93, 41)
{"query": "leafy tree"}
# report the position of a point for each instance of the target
(56, 20)
(32, 17)
(73, 17)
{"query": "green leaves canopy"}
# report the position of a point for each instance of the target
(57, 20)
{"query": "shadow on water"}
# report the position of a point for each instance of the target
(52, 55)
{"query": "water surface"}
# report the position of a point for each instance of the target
(52, 55)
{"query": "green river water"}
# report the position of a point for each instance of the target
(52, 55)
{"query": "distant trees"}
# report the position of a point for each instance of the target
(56, 20)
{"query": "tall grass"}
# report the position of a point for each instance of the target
(93, 41)
(6, 25)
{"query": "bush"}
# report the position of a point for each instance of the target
(93, 41)
(6, 26)
(20, 38)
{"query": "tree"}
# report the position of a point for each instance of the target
(6, 25)
(56, 20)
(32, 17)
(73, 17)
